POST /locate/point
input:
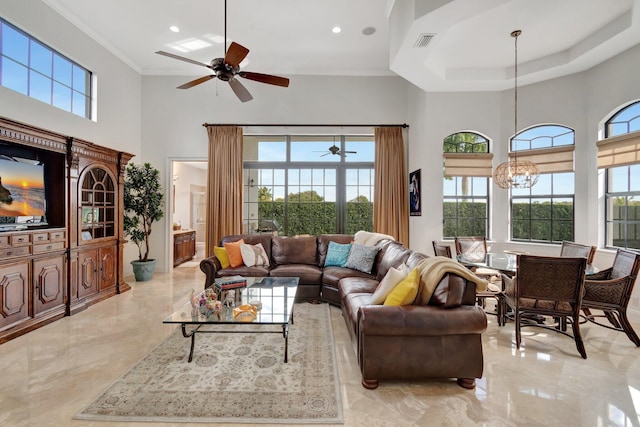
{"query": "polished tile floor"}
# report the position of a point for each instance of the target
(50, 374)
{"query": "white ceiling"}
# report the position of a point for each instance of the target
(471, 49)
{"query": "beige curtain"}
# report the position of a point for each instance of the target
(391, 204)
(224, 185)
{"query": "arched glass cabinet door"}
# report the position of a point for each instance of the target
(97, 210)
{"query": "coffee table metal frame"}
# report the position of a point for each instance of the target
(270, 291)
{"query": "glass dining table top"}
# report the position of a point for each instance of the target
(504, 262)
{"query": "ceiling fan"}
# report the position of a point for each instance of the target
(227, 69)
(335, 150)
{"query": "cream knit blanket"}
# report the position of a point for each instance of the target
(432, 270)
(367, 238)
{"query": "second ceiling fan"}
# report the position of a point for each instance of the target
(228, 68)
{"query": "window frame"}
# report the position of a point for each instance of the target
(252, 168)
(479, 146)
(609, 194)
(55, 84)
(514, 142)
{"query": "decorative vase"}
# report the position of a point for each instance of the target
(143, 270)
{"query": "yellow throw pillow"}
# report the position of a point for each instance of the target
(406, 291)
(223, 257)
(233, 251)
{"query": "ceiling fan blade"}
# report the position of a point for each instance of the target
(197, 81)
(265, 78)
(241, 92)
(235, 54)
(182, 58)
(351, 152)
(326, 154)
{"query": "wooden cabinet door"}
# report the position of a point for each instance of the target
(178, 249)
(14, 293)
(88, 273)
(192, 244)
(49, 281)
(108, 264)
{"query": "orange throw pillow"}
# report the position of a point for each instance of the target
(234, 253)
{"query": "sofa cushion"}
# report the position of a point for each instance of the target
(388, 283)
(221, 254)
(351, 285)
(332, 275)
(450, 292)
(254, 255)
(308, 274)
(414, 259)
(337, 254)
(251, 239)
(234, 253)
(294, 250)
(323, 244)
(362, 257)
(391, 255)
(405, 292)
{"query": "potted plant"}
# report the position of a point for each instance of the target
(142, 207)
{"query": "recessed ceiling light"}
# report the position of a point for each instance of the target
(367, 31)
(174, 29)
(336, 29)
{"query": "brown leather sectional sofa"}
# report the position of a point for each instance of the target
(439, 340)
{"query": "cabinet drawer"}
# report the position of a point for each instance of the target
(4, 241)
(20, 239)
(56, 236)
(40, 237)
(46, 247)
(11, 252)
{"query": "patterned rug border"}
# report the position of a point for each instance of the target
(338, 419)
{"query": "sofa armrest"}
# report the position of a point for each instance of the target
(210, 266)
(421, 320)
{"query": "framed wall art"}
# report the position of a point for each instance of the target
(415, 205)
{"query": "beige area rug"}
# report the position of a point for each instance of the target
(233, 378)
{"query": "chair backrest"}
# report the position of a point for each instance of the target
(476, 245)
(572, 249)
(626, 263)
(441, 250)
(550, 278)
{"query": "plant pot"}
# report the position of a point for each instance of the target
(143, 270)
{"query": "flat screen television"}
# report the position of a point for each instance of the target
(22, 191)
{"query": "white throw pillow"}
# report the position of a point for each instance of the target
(386, 285)
(254, 255)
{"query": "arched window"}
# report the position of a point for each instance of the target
(545, 212)
(467, 168)
(619, 154)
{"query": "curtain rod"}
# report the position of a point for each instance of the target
(404, 125)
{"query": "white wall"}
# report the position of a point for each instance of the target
(172, 119)
(118, 86)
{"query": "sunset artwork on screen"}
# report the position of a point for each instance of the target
(21, 188)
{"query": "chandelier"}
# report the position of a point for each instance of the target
(516, 173)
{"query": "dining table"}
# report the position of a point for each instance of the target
(504, 262)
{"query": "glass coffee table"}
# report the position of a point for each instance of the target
(266, 300)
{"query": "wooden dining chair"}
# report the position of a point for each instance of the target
(441, 249)
(476, 246)
(610, 290)
(572, 249)
(547, 286)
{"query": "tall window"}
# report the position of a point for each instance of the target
(545, 212)
(622, 178)
(34, 69)
(465, 209)
(308, 184)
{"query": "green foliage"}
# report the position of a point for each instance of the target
(464, 219)
(142, 204)
(317, 217)
(542, 221)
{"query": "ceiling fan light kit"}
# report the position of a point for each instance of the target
(227, 69)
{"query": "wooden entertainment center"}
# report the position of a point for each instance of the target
(56, 269)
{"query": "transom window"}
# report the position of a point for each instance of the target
(465, 207)
(545, 212)
(622, 184)
(308, 184)
(32, 68)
